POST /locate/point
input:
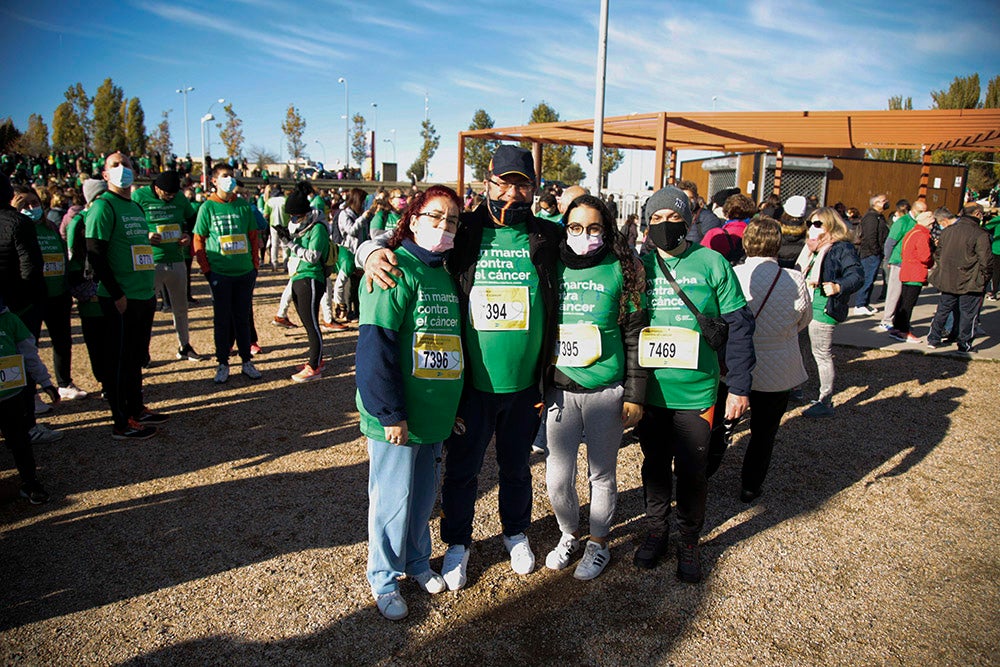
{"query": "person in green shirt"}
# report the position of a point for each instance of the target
(384, 217)
(168, 215)
(226, 246)
(892, 250)
(409, 370)
(684, 375)
(119, 250)
(596, 378)
(307, 243)
(548, 208)
(993, 227)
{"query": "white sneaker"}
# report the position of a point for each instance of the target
(71, 392)
(456, 560)
(595, 559)
(41, 407)
(431, 581)
(392, 606)
(41, 434)
(250, 370)
(522, 560)
(559, 557)
(221, 373)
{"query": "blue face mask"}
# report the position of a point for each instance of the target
(120, 176)
(35, 213)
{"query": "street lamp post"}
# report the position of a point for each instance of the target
(187, 132)
(208, 134)
(393, 142)
(374, 138)
(347, 123)
(324, 152)
(204, 162)
(522, 111)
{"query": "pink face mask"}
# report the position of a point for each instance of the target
(584, 244)
(433, 239)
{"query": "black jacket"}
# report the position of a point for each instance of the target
(873, 231)
(841, 265)
(964, 258)
(21, 279)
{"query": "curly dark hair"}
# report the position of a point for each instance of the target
(633, 275)
(414, 206)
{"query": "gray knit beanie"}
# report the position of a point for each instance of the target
(668, 197)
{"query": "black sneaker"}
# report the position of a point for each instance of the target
(147, 417)
(652, 550)
(749, 495)
(34, 493)
(689, 562)
(187, 352)
(134, 431)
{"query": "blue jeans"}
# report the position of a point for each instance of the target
(870, 266)
(402, 487)
(968, 306)
(514, 419)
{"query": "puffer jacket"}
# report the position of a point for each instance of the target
(21, 280)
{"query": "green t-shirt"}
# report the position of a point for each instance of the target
(819, 307)
(53, 259)
(345, 260)
(899, 229)
(226, 227)
(709, 281)
(506, 319)
(993, 227)
(589, 347)
(13, 374)
(556, 217)
(318, 239)
(78, 263)
(384, 220)
(318, 204)
(167, 218)
(120, 222)
(423, 309)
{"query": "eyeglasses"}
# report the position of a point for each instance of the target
(815, 223)
(439, 216)
(592, 230)
(522, 188)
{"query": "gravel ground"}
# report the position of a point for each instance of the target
(237, 535)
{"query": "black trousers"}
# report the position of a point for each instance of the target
(968, 311)
(95, 333)
(679, 438)
(231, 298)
(904, 310)
(126, 349)
(766, 410)
(56, 312)
(307, 294)
(15, 420)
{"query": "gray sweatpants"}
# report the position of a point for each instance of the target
(568, 415)
(172, 277)
(893, 288)
(821, 343)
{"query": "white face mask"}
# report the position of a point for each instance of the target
(226, 184)
(814, 232)
(433, 239)
(120, 176)
(584, 244)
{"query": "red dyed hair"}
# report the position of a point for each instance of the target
(415, 205)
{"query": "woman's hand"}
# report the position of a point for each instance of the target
(397, 434)
(631, 414)
(829, 289)
(736, 406)
(380, 267)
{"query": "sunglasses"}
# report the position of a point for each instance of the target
(815, 223)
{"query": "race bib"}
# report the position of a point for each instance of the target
(499, 308)
(669, 347)
(169, 233)
(142, 258)
(437, 356)
(233, 244)
(577, 345)
(54, 264)
(12, 372)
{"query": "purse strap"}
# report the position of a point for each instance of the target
(768, 295)
(677, 288)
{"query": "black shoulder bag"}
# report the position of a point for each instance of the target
(715, 330)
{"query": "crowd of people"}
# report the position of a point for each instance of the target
(491, 316)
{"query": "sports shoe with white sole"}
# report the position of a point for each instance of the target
(595, 558)
(392, 605)
(71, 392)
(250, 370)
(522, 559)
(431, 581)
(456, 560)
(560, 556)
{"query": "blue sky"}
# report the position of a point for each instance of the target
(465, 55)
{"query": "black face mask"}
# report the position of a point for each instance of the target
(509, 213)
(667, 235)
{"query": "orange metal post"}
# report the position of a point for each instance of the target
(661, 146)
(671, 166)
(925, 175)
(778, 164)
(536, 156)
(461, 164)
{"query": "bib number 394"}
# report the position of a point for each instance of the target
(437, 356)
(577, 345)
(669, 347)
(499, 308)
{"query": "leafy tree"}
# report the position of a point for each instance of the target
(479, 152)
(294, 127)
(35, 140)
(557, 161)
(159, 142)
(232, 134)
(611, 159)
(418, 170)
(80, 125)
(8, 134)
(109, 125)
(964, 93)
(992, 101)
(359, 139)
(135, 128)
(261, 157)
(896, 103)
